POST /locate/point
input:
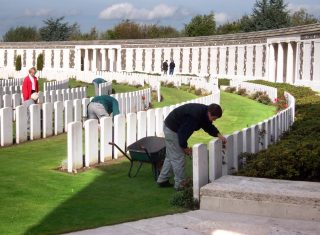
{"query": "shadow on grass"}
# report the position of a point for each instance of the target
(111, 198)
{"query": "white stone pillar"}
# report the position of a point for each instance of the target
(280, 63)
(290, 58)
(103, 59)
(200, 164)
(91, 142)
(86, 59)
(111, 56)
(94, 60)
(272, 64)
(75, 158)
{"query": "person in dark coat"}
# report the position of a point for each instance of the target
(171, 67)
(165, 67)
(178, 127)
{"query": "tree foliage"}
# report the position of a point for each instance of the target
(18, 63)
(21, 34)
(131, 30)
(201, 25)
(302, 17)
(40, 62)
(57, 30)
(267, 14)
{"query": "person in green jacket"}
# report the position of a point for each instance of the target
(102, 106)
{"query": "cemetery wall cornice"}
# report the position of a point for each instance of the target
(306, 32)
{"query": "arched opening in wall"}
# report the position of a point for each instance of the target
(81, 60)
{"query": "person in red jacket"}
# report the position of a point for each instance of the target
(30, 84)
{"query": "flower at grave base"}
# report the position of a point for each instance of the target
(276, 100)
(286, 106)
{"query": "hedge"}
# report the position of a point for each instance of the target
(297, 155)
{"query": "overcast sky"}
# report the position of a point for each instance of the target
(104, 14)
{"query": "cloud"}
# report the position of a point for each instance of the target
(221, 17)
(128, 11)
(37, 13)
(311, 8)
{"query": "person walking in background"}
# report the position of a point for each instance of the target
(102, 106)
(178, 127)
(171, 67)
(30, 84)
(165, 67)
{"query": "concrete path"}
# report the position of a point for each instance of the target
(211, 223)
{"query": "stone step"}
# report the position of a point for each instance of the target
(264, 197)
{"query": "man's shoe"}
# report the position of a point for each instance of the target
(165, 184)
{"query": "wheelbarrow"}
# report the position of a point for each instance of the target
(150, 149)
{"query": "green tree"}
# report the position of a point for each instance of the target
(127, 29)
(18, 63)
(40, 62)
(267, 14)
(230, 27)
(302, 17)
(57, 30)
(201, 25)
(21, 34)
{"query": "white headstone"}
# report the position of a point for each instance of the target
(200, 162)
(151, 122)
(247, 140)
(237, 148)
(119, 134)
(35, 122)
(77, 110)
(215, 159)
(255, 131)
(7, 101)
(16, 100)
(227, 156)
(106, 134)
(75, 158)
(131, 128)
(91, 142)
(53, 96)
(85, 102)
(6, 116)
(21, 124)
(142, 124)
(68, 113)
(47, 119)
(58, 117)
(159, 122)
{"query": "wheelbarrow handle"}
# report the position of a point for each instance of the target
(114, 144)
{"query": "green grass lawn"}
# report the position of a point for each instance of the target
(37, 199)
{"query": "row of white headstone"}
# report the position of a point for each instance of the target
(105, 88)
(15, 99)
(60, 107)
(11, 82)
(10, 89)
(252, 88)
(56, 85)
(123, 130)
(45, 120)
(132, 102)
(225, 160)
